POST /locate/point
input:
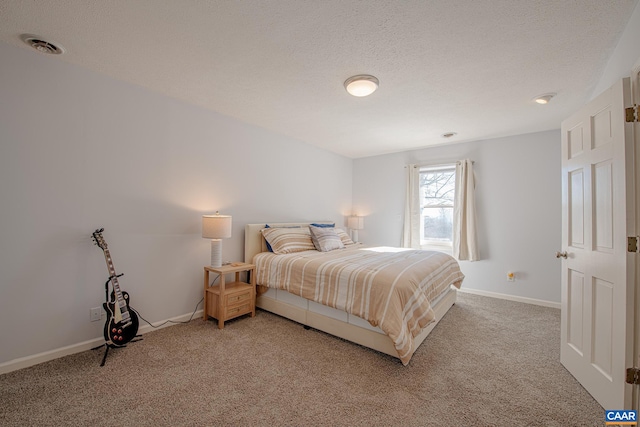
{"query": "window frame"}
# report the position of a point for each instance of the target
(440, 245)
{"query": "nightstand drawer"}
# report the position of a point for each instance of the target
(239, 310)
(238, 298)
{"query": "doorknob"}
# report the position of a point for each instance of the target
(561, 254)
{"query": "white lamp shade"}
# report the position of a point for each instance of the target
(355, 222)
(216, 226)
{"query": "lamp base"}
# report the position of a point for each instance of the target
(354, 235)
(216, 253)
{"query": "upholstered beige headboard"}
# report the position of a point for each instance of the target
(254, 242)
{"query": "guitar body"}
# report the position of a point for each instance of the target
(119, 333)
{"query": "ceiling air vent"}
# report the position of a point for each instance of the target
(41, 45)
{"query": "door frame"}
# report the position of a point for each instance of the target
(635, 100)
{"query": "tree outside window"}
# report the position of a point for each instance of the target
(437, 192)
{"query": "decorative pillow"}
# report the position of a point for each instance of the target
(269, 248)
(344, 237)
(288, 240)
(324, 225)
(325, 239)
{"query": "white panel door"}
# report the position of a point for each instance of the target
(598, 204)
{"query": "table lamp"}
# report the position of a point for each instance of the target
(355, 223)
(216, 227)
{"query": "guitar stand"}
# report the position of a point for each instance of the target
(108, 345)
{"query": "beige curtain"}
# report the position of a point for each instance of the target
(464, 213)
(411, 230)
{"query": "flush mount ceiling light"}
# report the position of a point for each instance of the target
(544, 99)
(41, 45)
(361, 85)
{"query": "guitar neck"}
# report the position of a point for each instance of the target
(107, 257)
(121, 303)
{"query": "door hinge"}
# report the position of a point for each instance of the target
(633, 376)
(632, 114)
(632, 244)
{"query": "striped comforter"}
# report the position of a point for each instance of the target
(389, 287)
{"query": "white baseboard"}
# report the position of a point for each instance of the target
(25, 362)
(525, 300)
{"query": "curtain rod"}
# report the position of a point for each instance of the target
(427, 165)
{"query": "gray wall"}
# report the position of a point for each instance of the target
(623, 58)
(80, 151)
(518, 202)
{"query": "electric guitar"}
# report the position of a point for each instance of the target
(122, 322)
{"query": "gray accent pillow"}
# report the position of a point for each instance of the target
(325, 239)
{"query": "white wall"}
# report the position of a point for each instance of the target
(625, 55)
(519, 210)
(80, 151)
(519, 203)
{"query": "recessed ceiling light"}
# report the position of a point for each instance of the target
(361, 85)
(544, 99)
(41, 45)
(448, 134)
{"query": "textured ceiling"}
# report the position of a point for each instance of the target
(470, 67)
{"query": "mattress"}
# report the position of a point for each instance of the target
(392, 289)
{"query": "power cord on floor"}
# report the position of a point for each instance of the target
(168, 321)
(174, 321)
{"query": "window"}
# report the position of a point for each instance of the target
(437, 192)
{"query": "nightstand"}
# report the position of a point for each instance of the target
(225, 301)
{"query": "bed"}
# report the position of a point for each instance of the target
(401, 293)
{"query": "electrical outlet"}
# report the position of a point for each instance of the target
(95, 314)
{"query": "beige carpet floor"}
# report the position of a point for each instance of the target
(489, 362)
